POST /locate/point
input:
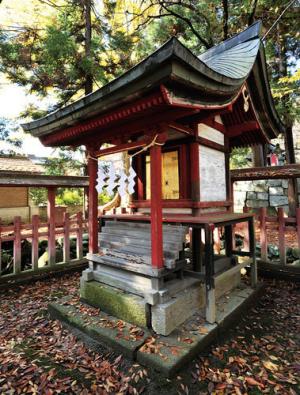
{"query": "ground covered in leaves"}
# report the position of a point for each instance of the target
(38, 356)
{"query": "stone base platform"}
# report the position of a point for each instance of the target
(149, 302)
(165, 354)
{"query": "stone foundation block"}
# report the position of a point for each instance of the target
(125, 306)
(168, 316)
(227, 281)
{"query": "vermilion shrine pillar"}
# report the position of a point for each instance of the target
(93, 203)
(156, 207)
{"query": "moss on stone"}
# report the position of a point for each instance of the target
(128, 307)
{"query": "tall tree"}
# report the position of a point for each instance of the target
(10, 143)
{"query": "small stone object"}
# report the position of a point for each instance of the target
(276, 191)
(296, 263)
(296, 253)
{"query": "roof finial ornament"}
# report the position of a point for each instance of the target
(246, 99)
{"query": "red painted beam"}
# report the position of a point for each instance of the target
(140, 178)
(235, 130)
(181, 128)
(93, 204)
(156, 207)
(215, 125)
(122, 148)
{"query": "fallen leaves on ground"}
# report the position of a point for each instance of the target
(37, 356)
(262, 354)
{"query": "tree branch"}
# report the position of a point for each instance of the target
(225, 18)
(206, 43)
(252, 14)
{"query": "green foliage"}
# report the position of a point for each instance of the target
(287, 91)
(52, 59)
(239, 158)
(10, 142)
(38, 196)
(103, 198)
(69, 197)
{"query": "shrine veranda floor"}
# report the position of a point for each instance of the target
(259, 353)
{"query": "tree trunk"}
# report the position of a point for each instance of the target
(288, 136)
(88, 87)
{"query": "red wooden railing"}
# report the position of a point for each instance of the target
(37, 231)
(277, 223)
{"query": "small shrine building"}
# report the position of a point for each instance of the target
(178, 115)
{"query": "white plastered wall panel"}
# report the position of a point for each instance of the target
(210, 133)
(212, 175)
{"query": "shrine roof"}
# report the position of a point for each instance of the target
(210, 81)
(19, 164)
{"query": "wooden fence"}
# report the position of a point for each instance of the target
(279, 224)
(35, 232)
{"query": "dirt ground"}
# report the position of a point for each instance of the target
(37, 356)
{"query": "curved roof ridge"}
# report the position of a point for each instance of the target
(252, 32)
(235, 57)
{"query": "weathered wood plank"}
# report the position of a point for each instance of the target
(265, 173)
(34, 180)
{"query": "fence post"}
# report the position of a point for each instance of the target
(281, 223)
(298, 225)
(245, 231)
(51, 225)
(79, 236)
(263, 234)
(0, 249)
(35, 242)
(66, 251)
(17, 245)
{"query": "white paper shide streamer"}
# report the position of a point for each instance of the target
(116, 180)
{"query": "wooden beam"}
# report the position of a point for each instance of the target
(156, 207)
(140, 177)
(23, 179)
(237, 129)
(215, 125)
(93, 204)
(205, 115)
(133, 127)
(211, 144)
(181, 128)
(266, 173)
(122, 148)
